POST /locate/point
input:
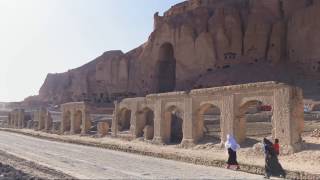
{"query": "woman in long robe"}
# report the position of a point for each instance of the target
(272, 165)
(232, 146)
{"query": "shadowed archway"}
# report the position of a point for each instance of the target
(124, 121)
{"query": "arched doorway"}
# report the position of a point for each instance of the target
(145, 124)
(209, 124)
(67, 121)
(174, 125)
(124, 120)
(166, 68)
(253, 122)
(77, 122)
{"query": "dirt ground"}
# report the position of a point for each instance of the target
(251, 152)
(12, 167)
(307, 160)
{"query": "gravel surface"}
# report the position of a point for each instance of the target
(8, 172)
(13, 167)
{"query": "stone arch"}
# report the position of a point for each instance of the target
(173, 125)
(166, 68)
(145, 123)
(124, 122)
(209, 123)
(250, 121)
(66, 121)
(77, 121)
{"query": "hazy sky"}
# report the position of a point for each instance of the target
(48, 36)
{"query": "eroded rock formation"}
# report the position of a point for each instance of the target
(201, 43)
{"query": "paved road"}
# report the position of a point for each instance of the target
(90, 162)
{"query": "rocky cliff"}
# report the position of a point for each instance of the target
(200, 43)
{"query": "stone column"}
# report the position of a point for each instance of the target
(13, 117)
(9, 120)
(133, 122)
(288, 118)
(20, 118)
(227, 117)
(62, 126)
(86, 122)
(16, 119)
(158, 133)
(48, 122)
(72, 128)
(41, 118)
(189, 136)
(13, 120)
(114, 125)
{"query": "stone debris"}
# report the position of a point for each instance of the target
(315, 133)
(8, 172)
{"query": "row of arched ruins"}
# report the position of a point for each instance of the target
(178, 117)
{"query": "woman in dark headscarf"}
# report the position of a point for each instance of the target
(232, 146)
(272, 165)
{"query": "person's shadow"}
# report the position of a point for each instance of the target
(310, 146)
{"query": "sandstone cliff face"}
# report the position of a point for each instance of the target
(93, 81)
(204, 43)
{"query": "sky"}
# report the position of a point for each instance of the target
(38, 37)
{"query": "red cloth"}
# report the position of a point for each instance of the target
(276, 148)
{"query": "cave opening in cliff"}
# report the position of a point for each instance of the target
(209, 123)
(124, 120)
(166, 69)
(253, 122)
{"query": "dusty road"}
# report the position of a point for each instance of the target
(90, 162)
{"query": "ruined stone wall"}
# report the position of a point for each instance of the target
(232, 101)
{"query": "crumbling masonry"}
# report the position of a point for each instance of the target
(75, 118)
(188, 108)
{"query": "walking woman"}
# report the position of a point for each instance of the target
(232, 146)
(272, 165)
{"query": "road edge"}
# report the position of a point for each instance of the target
(253, 169)
(30, 167)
